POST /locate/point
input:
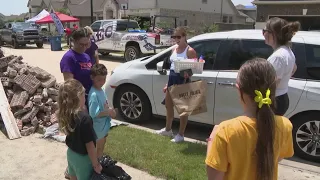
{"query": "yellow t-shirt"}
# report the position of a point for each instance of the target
(233, 148)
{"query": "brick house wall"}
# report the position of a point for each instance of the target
(263, 11)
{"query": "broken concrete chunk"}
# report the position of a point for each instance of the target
(29, 106)
(47, 109)
(54, 98)
(25, 132)
(52, 91)
(45, 92)
(20, 124)
(28, 82)
(12, 73)
(5, 60)
(35, 121)
(50, 82)
(54, 118)
(37, 98)
(20, 113)
(23, 71)
(39, 73)
(30, 115)
(15, 60)
(57, 85)
(19, 99)
(55, 106)
(49, 102)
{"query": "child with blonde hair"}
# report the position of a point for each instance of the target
(77, 125)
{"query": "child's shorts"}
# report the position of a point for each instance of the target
(101, 127)
(79, 165)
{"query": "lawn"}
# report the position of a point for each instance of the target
(156, 154)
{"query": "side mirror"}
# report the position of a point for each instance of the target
(160, 69)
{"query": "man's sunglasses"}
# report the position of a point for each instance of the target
(265, 30)
(176, 37)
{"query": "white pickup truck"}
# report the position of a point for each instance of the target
(123, 35)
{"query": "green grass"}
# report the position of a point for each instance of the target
(156, 154)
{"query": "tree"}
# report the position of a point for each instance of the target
(210, 28)
(2, 22)
(64, 11)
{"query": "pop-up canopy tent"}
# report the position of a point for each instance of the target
(41, 15)
(63, 18)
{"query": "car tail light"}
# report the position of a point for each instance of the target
(157, 39)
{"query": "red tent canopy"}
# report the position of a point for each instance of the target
(63, 18)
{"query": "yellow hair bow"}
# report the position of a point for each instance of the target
(259, 98)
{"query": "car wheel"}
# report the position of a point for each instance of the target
(15, 44)
(104, 53)
(306, 136)
(132, 53)
(39, 45)
(133, 104)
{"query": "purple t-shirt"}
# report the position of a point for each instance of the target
(91, 51)
(79, 65)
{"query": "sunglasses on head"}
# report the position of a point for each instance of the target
(176, 37)
(265, 30)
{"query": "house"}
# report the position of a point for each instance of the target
(307, 12)
(192, 13)
(249, 11)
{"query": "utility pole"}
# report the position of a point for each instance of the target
(221, 13)
(91, 6)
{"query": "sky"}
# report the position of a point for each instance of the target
(8, 7)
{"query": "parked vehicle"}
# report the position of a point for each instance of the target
(19, 34)
(122, 35)
(136, 87)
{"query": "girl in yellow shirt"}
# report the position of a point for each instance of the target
(249, 147)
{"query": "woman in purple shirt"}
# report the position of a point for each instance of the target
(76, 63)
(92, 51)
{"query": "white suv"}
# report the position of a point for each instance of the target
(136, 87)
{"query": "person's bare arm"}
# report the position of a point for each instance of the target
(96, 56)
(191, 53)
(92, 152)
(212, 135)
(214, 174)
(67, 76)
(294, 69)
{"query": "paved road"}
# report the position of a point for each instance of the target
(294, 168)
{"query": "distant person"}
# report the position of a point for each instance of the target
(278, 34)
(250, 146)
(182, 51)
(92, 51)
(99, 109)
(68, 35)
(75, 27)
(77, 125)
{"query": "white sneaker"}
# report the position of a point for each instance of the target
(178, 138)
(163, 132)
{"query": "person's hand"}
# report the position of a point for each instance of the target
(106, 106)
(112, 113)
(165, 88)
(97, 168)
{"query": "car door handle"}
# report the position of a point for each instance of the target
(227, 83)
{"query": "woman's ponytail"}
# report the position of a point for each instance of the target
(264, 148)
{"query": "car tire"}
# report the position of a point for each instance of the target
(133, 104)
(306, 136)
(132, 53)
(104, 53)
(39, 45)
(15, 44)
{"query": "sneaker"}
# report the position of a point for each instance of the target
(163, 132)
(178, 138)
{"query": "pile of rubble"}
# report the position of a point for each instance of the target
(31, 92)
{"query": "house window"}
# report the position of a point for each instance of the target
(225, 19)
(204, 1)
(185, 23)
(230, 19)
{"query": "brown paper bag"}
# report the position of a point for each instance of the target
(190, 98)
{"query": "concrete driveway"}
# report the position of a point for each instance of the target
(293, 169)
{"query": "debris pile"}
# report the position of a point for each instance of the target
(31, 92)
